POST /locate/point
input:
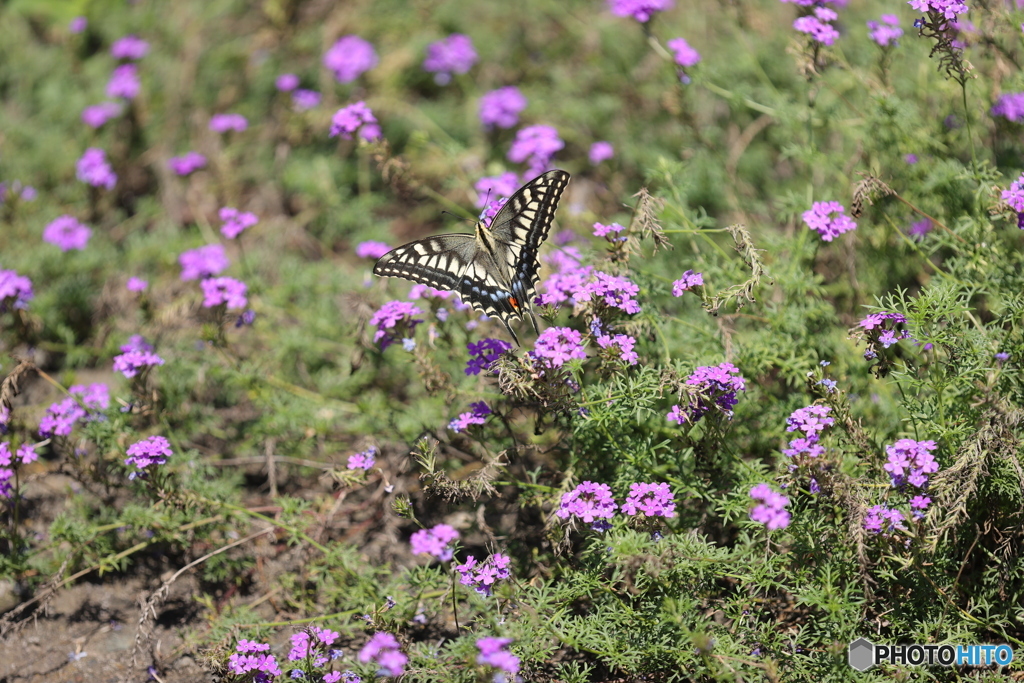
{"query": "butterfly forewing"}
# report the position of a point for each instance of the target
(496, 273)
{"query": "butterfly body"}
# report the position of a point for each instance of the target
(495, 268)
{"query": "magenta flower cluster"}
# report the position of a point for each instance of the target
(1015, 197)
(949, 9)
(203, 262)
(393, 319)
(720, 384)
(883, 520)
(83, 403)
(653, 500)
(96, 115)
(557, 345)
(489, 189)
(129, 47)
(349, 58)
(910, 462)
(187, 163)
(436, 541)
(1010, 106)
(15, 290)
(621, 345)
(67, 233)
(453, 55)
(482, 575)
(250, 659)
(641, 10)
(535, 145)
(355, 118)
(771, 509)
(312, 644)
(363, 460)
(817, 25)
(493, 653)
(688, 281)
(372, 249)
(501, 108)
(236, 222)
(224, 290)
(484, 353)
(887, 32)
(828, 219)
(602, 150)
(881, 329)
(609, 232)
(92, 168)
(131, 363)
(477, 415)
(124, 82)
(684, 55)
(383, 650)
(25, 454)
(591, 502)
(151, 451)
(222, 123)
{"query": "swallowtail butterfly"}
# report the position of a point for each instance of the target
(494, 269)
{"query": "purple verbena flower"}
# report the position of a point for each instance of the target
(235, 221)
(689, 280)
(641, 10)
(556, 345)
(222, 123)
(1015, 195)
(151, 451)
(124, 82)
(685, 56)
(883, 520)
(349, 57)
(494, 654)
(1010, 106)
(203, 262)
(808, 446)
(304, 100)
(949, 9)
(817, 26)
(537, 146)
(393, 318)
(435, 541)
(612, 290)
(600, 151)
(453, 55)
(129, 47)
(382, 648)
(130, 363)
(493, 191)
(355, 117)
(15, 290)
(286, 82)
(589, 501)
(372, 249)
(622, 344)
(910, 462)
(364, 460)
(482, 575)
(224, 290)
(771, 512)
(919, 229)
(92, 168)
(828, 219)
(653, 500)
(501, 107)
(187, 163)
(476, 416)
(602, 230)
(811, 420)
(96, 115)
(887, 32)
(67, 233)
(484, 353)
(78, 24)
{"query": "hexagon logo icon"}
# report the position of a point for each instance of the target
(861, 655)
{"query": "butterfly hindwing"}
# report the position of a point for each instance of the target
(494, 270)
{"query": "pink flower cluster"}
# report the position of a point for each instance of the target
(771, 508)
(435, 541)
(482, 575)
(828, 219)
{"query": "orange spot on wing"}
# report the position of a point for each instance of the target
(515, 302)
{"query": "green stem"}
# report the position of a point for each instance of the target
(967, 122)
